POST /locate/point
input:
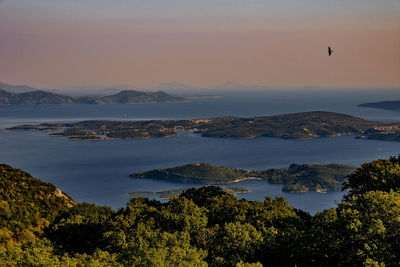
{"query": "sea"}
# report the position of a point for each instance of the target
(98, 171)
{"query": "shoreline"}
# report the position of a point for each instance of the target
(244, 179)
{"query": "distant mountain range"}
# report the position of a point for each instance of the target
(390, 105)
(99, 90)
(39, 97)
(16, 88)
(131, 97)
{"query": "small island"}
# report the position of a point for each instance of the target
(298, 178)
(300, 126)
(204, 173)
(389, 105)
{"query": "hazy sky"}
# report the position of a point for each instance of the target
(53, 43)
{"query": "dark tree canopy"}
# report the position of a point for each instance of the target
(41, 226)
(381, 174)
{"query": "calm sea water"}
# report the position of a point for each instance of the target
(97, 172)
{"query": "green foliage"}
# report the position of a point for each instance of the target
(322, 242)
(195, 172)
(203, 195)
(299, 178)
(235, 242)
(246, 264)
(182, 215)
(371, 222)
(382, 175)
(80, 229)
(42, 253)
(204, 226)
(155, 248)
(27, 204)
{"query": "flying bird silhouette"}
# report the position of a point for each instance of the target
(329, 51)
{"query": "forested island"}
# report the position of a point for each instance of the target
(167, 194)
(390, 105)
(304, 125)
(298, 178)
(42, 226)
(40, 97)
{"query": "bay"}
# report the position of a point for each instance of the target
(97, 171)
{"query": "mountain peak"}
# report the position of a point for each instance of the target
(16, 88)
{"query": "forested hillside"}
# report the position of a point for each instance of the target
(298, 178)
(41, 226)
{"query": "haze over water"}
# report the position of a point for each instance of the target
(240, 102)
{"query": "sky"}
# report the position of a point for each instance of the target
(281, 43)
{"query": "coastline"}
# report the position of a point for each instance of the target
(244, 179)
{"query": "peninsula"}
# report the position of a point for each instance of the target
(305, 125)
(298, 178)
(389, 105)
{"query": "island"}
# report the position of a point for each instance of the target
(297, 178)
(389, 105)
(167, 194)
(40, 97)
(384, 133)
(300, 126)
(197, 173)
(301, 178)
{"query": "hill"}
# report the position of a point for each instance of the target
(303, 125)
(195, 172)
(390, 105)
(27, 202)
(39, 97)
(131, 97)
(17, 88)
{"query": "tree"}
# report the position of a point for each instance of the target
(182, 215)
(81, 228)
(370, 229)
(382, 175)
(202, 196)
(233, 243)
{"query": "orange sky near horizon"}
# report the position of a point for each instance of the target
(277, 52)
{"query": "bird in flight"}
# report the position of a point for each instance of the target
(329, 51)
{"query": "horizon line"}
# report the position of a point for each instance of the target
(232, 85)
